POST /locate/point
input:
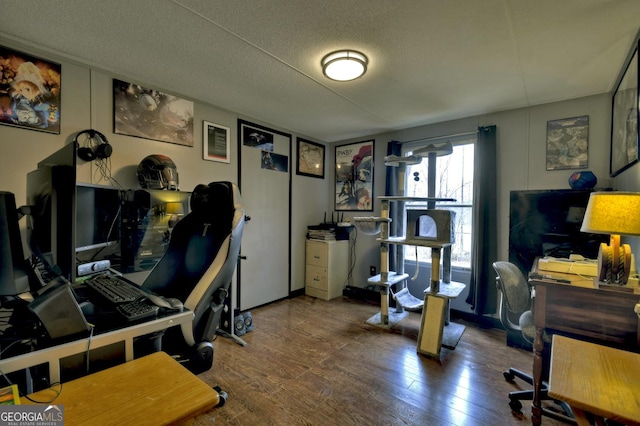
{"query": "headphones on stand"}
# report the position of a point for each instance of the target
(97, 146)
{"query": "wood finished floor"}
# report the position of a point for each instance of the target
(313, 362)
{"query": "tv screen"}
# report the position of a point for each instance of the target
(547, 223)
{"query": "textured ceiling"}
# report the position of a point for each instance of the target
(429, 60)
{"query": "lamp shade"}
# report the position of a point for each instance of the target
(344, 65)
(175, 208)
(612, 213)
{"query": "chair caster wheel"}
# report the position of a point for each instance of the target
(508, 376)
(222, 395)
(515, 405)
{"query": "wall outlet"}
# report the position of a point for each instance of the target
(372, 270)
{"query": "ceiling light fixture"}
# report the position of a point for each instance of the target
(344, 65)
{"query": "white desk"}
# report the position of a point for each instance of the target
(54, 354)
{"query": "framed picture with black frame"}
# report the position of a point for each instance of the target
(310, 158)
(30, 91)
(354, 176)
(624, 115)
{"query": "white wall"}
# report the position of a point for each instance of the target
(87, 102)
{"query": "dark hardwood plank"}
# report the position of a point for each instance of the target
(315, 362)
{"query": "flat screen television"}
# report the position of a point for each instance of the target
(547, 223)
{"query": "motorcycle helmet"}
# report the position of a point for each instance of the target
(158, 172)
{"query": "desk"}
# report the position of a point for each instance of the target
(596, 379)
(578, 309)
(152, 390)
(54, 354)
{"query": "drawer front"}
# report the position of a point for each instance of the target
(314, 292)
(317, 254)
(316, 277)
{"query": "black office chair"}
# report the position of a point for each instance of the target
(198, 267)
(515, 302)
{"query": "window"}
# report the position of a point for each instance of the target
(454, 179)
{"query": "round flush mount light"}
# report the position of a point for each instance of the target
(344, 65)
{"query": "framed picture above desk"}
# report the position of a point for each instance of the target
(574, 306)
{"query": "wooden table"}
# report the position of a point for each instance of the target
(152, 390)
(596, 379)
(577, 308)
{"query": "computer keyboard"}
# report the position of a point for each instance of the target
(137, 309)
(113, 289)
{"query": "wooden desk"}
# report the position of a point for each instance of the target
(152, 390)
(595, 379)
(578, 309)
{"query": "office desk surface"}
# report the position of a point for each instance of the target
(570, 305)
(152, 390)
(596, 379)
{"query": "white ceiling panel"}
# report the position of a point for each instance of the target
(429, 60)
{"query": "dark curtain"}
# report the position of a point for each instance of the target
(391, 188)
(482, 288)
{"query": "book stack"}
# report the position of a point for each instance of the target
(321, 233)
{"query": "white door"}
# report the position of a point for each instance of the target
(264, 180)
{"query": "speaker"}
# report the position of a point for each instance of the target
(239, 327)
(58, 311)
(248, 321)
(96, 146)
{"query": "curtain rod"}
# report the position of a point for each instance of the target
(442, 137)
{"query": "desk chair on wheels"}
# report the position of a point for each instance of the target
(197, 269)
(515, 302)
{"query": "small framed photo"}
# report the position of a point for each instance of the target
(215, 142)
(310, 159)
(568, 143)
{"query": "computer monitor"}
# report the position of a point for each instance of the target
(547, 223)
(51, 199)
(98, 212)
(15, 273)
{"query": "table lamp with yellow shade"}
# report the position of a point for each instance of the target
(615, 213)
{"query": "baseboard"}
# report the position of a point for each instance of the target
(296, 293)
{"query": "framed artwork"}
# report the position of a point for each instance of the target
(151, 114)
(215, 142)
(354, 176)
(310, 159)
(568, 143)
(624, 116)
(29, 91)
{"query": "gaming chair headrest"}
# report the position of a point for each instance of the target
(214, 202)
